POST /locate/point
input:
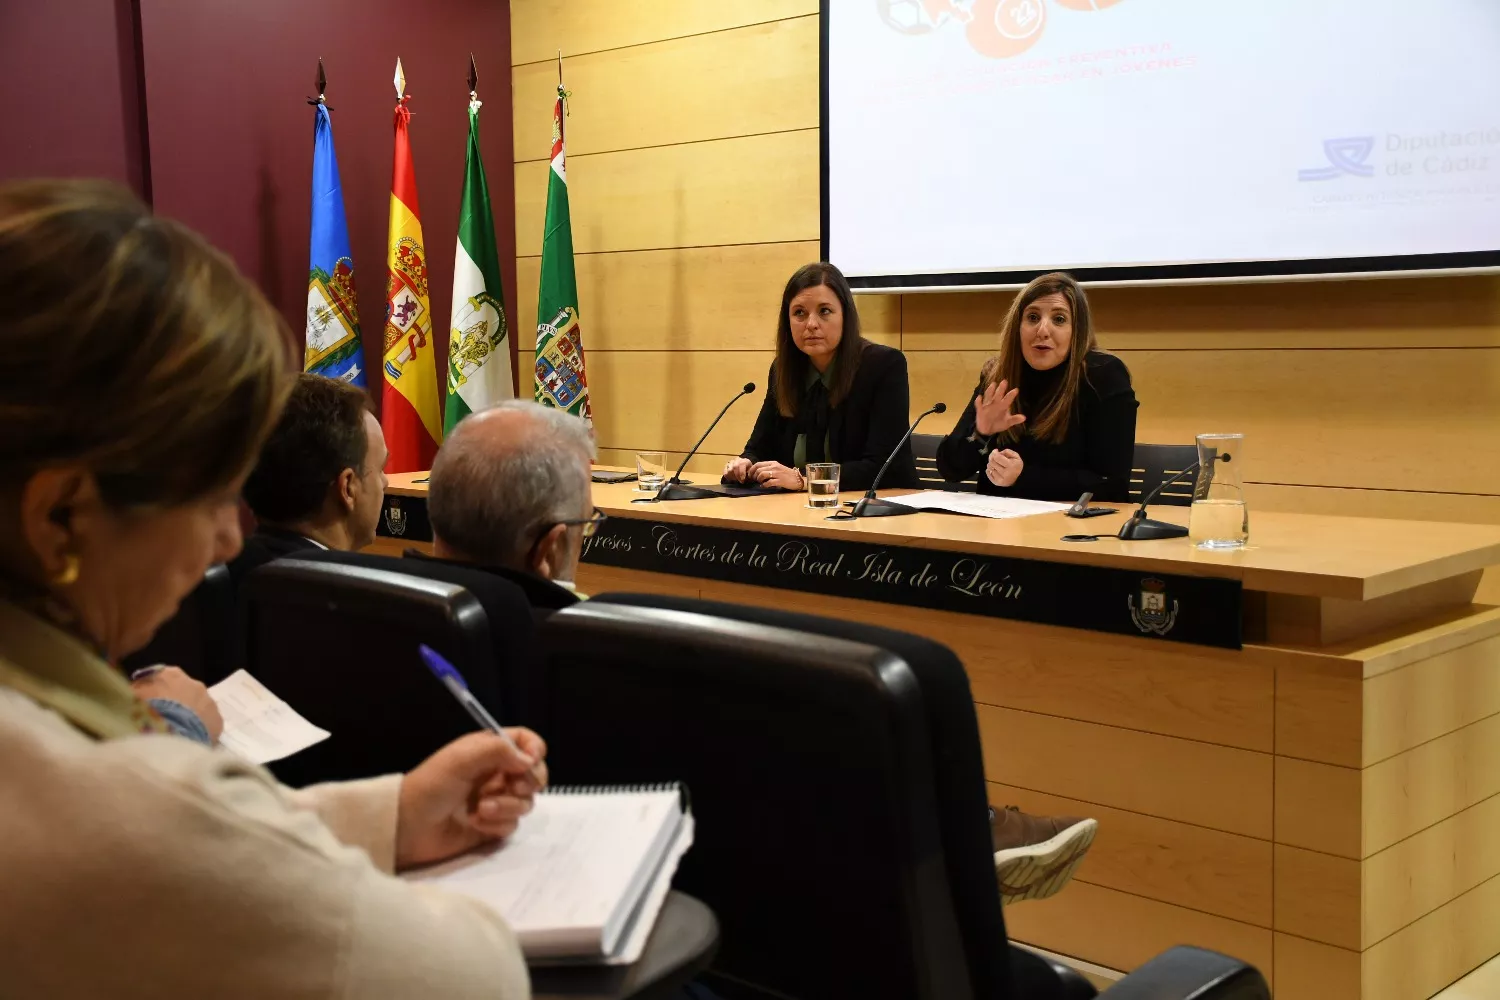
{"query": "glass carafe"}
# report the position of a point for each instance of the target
(1219, 518)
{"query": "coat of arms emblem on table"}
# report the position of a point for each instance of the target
(1153, 614)
(395, 520)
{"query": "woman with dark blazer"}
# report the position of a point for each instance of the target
(1074, 431)
(832, 396)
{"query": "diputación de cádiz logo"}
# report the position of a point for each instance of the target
(1152, 615)
(999, 29)
(1349, 157)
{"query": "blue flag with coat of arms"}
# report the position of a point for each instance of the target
(333, 345)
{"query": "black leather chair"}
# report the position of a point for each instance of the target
(1154, 464)
(337, 640)
(924, 447)
(836, 776)
(200, 637)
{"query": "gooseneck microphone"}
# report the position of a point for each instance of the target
(674, 488)
(869, 505)
(1139, 527)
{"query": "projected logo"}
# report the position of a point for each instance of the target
(999, 29)
(1345, 157)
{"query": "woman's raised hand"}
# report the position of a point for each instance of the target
(992, 410)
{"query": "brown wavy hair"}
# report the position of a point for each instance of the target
(790, 370)
(131, 347)
(1051, 424)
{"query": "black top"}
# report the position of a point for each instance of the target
(862, 430)
(1094, 456)
(265, 545)
(543, 595)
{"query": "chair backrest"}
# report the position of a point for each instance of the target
(924, 447)
(200, 638)
(836, 775)
(1154, 464)
(506, 605)
(338, 642)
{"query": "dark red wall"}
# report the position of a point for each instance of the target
(72, 91)
(211, 123)
(231, 132)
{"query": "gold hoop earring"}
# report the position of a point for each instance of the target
(68, 575)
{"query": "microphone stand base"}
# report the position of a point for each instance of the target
(873, 507)
(1145, 528)
(682, 491)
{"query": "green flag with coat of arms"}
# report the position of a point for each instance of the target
(478, 351)
(560, 379)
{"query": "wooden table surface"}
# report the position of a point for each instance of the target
(1304, 554)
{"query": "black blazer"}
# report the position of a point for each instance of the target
(862, 430)
(264, 546)
(1094, 456)
(544, 596)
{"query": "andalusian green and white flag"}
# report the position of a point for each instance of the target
(560, 381)
(478, 352)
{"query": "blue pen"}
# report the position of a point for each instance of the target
(454, 682)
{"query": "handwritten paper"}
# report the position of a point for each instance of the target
(978, 504)
(258, 725)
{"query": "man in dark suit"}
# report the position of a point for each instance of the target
(320, 479)
(509, 494)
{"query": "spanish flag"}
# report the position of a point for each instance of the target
(410, 416)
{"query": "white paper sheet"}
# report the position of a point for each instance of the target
(978, 504)
(258, 725)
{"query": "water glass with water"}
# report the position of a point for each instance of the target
(823, 485)
(650, 470)
(1219, 518)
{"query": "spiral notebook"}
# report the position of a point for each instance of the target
(584, 876)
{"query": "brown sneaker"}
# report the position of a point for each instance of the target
(1035, 856)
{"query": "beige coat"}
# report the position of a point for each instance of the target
(149, 866)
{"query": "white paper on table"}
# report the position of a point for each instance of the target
(978, 504)
(258, 725)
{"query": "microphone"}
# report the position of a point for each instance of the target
(869, 505)
(674, 488)
(1139, 527)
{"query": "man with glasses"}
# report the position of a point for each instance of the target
(510, 493)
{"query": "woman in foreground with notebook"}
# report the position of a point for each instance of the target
(141, 374)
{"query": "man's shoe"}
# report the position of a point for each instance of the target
(1035, 856)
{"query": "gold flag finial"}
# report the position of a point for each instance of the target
(400, 80)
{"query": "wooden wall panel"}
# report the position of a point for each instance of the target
(1212, 786)
(1410, 706)
(1318, 896)
(1191, 692)
(1191, 866)
(683, 90)
(744, 190)
(1429, 783)
(1121, 931)
(1307, 970)
(1318, 807)
(1357, 439)
(1318, 712)
(662, 401)
(1437, 950)
(1418, 313)
(720, 298)
(540, 28)
(704, 464)
(1421, 873)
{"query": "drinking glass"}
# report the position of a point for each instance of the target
(650, 470)
(823, 485)
(1219, 518)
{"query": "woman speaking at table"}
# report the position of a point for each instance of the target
(1053, 416)
(832, 396)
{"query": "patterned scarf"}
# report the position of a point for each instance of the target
(54, 668)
